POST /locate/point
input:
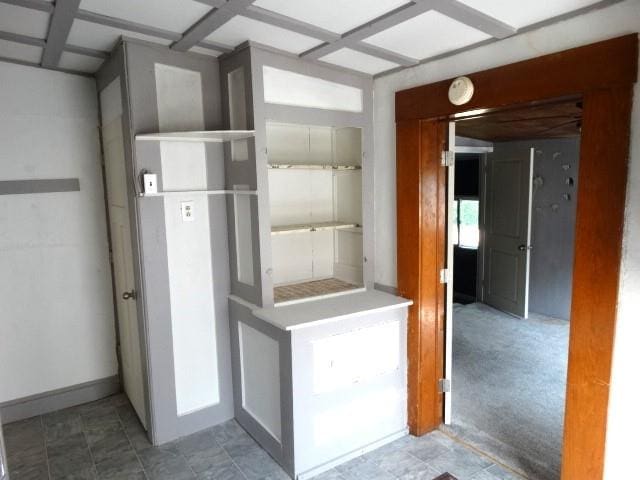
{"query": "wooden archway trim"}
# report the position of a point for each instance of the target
(602, 74)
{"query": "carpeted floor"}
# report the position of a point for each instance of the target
(509, 378)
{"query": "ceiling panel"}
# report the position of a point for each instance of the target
(426, 35)
(20, 51)
(82, 63)
(102, 37)
(348, 58)
(240, 29)
(174, 15)
(338, 16)
(205, 51)
(24, 21)
(518, 15)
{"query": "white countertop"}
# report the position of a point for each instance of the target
(316, 312)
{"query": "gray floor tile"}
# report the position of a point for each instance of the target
(24, 435)
(203, 460)
(225, 472)
(402, 465)
(119, 399)
(139, 440)
(66, 446)
(119, 466)
(496, 472)
(104, 420)
(76, 465)
(62, 424)
(200, 441)
(37, 470)
(428, 447)
(361, 469)
(460, 462)
(254, 462)
(227, 432)
(109, 444)
(19, 457)
(112, 445)
(332, 474)
(30, 426)
(169, 467)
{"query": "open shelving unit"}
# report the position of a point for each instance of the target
(311, 227)
(315, 200)
(319, 166)
(210, 136)
(205, 192)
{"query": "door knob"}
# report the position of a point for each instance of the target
(523, 247)
(128, 295)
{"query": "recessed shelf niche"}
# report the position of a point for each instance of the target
(315, 196)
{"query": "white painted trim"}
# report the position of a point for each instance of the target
(59, 399)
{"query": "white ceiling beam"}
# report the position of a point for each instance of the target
(39, 42)
(41, 5)
(474, 18)
(24, 39)
(210, 23)
(383, 53)
(88, 52)
(108, 21)
(36, 64)
(282, 21)
(352, 38)
(61, 20)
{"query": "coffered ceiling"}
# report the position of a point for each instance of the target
(370, 37)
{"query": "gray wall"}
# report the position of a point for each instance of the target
(553, 226)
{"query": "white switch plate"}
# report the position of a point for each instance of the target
(186, 208)
(150, 183)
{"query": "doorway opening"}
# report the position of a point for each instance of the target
(511, 229)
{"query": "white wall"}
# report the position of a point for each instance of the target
(616, 20)
(56, 321)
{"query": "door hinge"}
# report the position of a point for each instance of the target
(448, 158)
(444, 385)
(445, 275)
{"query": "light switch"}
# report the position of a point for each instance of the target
(150, 183)
(187, 211)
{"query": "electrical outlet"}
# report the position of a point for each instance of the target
(186, 208)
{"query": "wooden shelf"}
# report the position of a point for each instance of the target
(318, 166)
(215, 136)
(206, 192)
(310, 227)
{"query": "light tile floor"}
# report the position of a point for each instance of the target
(104, 440)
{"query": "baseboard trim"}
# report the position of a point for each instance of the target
(53, 400)
(385, 288)
(351, 455)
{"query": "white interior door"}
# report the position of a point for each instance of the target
(451, 227)
(130, 353)
(509, 175)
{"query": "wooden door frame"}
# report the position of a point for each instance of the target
(602, 74)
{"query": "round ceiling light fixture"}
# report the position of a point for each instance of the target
(461, 90)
